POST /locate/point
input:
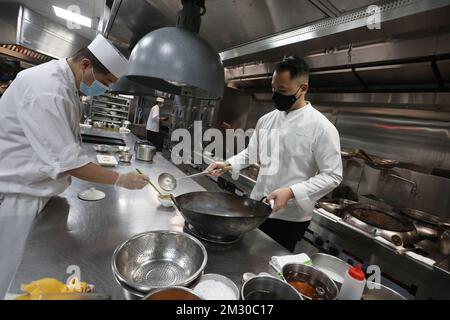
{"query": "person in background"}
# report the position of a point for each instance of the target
(310, 164)
(153, 125)
(40, 141)
(8, 72)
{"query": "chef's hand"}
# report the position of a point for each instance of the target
(132, 181)
(280, 198)
(216, 166)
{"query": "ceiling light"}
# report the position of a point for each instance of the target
(72, 16)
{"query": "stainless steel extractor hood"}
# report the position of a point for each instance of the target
(30, 37)
(128, 87)
(176, 60)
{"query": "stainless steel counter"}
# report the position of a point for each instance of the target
(425, 280)
(74, 232)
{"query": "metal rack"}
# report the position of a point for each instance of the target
(103, 106)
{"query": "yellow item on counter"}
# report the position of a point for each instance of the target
(36, 289)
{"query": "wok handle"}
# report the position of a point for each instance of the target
(174, 201)
(224, 169)
(365, 156)
(271, 203)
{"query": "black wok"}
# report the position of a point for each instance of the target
(221, 216)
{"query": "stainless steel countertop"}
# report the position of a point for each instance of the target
(74, 232)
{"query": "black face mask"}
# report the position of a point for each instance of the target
(282, 102)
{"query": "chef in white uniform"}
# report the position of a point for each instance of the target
(153, 124)
(308, 155)
(40, 142)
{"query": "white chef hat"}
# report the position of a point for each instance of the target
(159, 99)
(109, 56)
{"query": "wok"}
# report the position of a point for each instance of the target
(221, 217)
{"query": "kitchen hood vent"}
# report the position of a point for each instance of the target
(175, 60)
(125, 86)
(30, 37)
(23, 53)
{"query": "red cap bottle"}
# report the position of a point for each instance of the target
(357, 273)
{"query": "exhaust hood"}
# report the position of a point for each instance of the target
(30, 37)
(177, 61)
(128, 87)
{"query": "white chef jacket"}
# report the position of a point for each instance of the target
(308, 159)
(40, 133)
(39, 141)
(153, 119)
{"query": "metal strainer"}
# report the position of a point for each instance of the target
(159, 259)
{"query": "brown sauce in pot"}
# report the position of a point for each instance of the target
(304, 288)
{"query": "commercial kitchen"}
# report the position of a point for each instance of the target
(97, 197)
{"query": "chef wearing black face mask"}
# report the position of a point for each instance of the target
(309, 155)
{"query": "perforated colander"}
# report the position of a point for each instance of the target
(159, 259)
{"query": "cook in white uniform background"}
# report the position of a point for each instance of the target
(153, 123)
(310, 164)
(40, 143)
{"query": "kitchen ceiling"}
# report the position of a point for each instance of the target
(227, 23)
(90, 8)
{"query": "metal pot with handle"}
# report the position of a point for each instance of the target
(145, 152)
(427, 225)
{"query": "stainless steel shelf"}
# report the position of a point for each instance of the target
(106, 120)
(101, 107)
(110, 115)
(109, 109)
(114, 97)
(110, 102)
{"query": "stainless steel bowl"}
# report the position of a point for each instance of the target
(322, 286)
(333, 267)
(123, 149)
(381, 292)
(173, 293)
(132, 294)
(102, 148)
(265, 287)
(129, 293)
(157, 259)
(125, 157)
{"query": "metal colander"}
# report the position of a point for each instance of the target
(159, 259)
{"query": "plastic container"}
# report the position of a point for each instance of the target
(353, 285)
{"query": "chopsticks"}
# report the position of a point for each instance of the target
(149, 182)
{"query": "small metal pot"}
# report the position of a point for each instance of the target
(125, 157)
(266, 287)
(310, 277)
(145, 152)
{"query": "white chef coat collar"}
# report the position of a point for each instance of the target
(296, 111)
(70, 75)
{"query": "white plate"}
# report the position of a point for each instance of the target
(91, 194)
(107, 161)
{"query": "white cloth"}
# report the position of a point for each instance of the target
(153, 119)
(40, 131)
(17, 213)
(307, 159)
(278, 262)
